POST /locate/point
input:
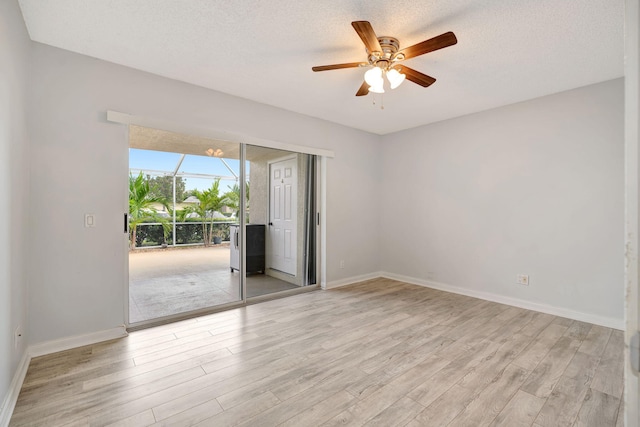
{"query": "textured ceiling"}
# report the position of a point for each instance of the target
(161, 140)
(508, 50)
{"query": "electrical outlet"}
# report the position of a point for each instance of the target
(522, 279)
(17, 337)
(341, 263)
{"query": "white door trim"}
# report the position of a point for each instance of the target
(632, 200)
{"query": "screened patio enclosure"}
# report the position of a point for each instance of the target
(184, 223)
(172, 178)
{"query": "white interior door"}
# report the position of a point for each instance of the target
(283, 208)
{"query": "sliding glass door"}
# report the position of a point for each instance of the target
(183, 203)
(213, 224)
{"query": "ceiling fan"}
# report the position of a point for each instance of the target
(384, 58)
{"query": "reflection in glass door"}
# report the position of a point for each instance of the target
(281, 226)
(184, 200)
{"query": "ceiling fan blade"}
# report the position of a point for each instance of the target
(415, 76)
(438, 42)
(338, 66)
(368, 36)
(364, 89)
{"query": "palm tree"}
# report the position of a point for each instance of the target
(233, 198)
(181, 214)
(210, 202)
(141, 208)
(201, 210)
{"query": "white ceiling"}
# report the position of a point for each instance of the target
(508, 50)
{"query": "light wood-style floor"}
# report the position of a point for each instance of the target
(380, 353)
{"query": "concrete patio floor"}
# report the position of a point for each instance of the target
(170, 281)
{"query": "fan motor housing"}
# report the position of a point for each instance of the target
(390, 46)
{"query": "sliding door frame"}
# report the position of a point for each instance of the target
(243, 140)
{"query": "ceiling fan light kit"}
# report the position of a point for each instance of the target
(373, 77)
(395, 78)
(384, 57)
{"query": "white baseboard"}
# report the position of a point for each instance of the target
(608, 322)
(55, 346)
(352, 280)
(14, 390)
(47, 348)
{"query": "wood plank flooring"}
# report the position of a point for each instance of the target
(379, 353)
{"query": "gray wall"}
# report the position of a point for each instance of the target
(534, 188)
(79, 165)
(14, 179)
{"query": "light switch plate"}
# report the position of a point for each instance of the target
(89, 220)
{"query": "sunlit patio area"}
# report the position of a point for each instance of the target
(164, 282)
